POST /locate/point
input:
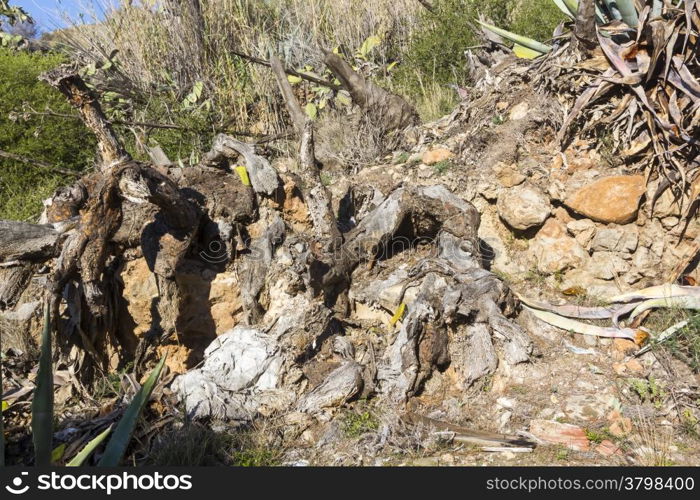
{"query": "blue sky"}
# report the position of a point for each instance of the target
(50, 14)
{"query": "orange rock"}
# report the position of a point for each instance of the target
(621, 427)
(607, 448)
(619, 368)
(294, 207)
(568, 435)
(624, 346)
(614, 415)
(634, 366)
(557, 162)
(177, 357)
(562, 215)
(437, 155)
(610, 199)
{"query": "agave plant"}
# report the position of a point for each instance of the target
(640, 82)
(42, 414)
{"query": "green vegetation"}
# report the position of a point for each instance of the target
(357, 424)
(443, 166)
(648, 390)
(535, 19)
(436, 48)
(197, 445)
(58, 142)
(597, 436)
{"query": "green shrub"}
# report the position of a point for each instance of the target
(62, 142)
(436, 48)
(536, 19)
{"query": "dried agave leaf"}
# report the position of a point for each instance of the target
(675, 302)
(582, 328)
(656, 292)
(570, 310)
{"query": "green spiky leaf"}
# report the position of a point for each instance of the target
(122, 434)
(564, 7)
(85, 453)
(523, 41)
(525, 53)
(57, 453)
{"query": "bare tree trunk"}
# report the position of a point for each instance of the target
(585, 24)
(79, 95)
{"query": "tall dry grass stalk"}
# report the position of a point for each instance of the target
(170, 45)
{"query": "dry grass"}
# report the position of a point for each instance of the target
(651, 443)
(163, 52)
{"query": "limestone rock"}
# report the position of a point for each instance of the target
(611, 199)
(509, 176)
(616, 239)
(583, 230)
(519, 111)
(553, 250)
(607, 265)
(523, 207)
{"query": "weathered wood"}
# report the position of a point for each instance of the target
(24, 241)
(13, 281)
(288, 71)
(262, 176)
(585, 29)
(66, 80)
(386, 110)
(295, 112)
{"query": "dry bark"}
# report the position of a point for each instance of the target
(385, 110)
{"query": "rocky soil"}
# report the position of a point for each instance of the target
(571, 226)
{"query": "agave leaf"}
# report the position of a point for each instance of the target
(582, 328)
(572, 5)
(565, 8)
(623, 10)
(525, 53)
(520, 40)
(588, 95)
(570, 310)
(681, 302)
(57, 453)
(42, 404)
(122, 434)
(657, 292)
(83, 455)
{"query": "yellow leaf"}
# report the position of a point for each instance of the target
(293, 79)
(525, 53)
(57, 453)
(311, 110)
(5, 405)
(243, 174)
(398, 314)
